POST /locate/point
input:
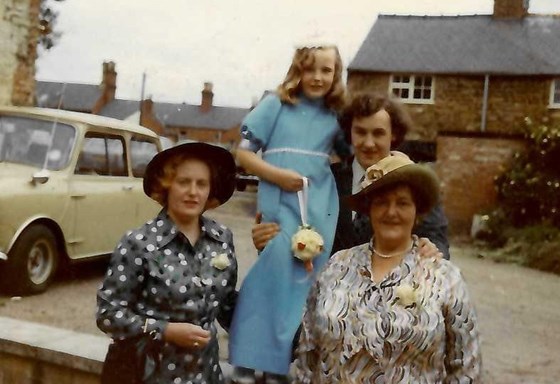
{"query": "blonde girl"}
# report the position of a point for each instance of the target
(296, 129)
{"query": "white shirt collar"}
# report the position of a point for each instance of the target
(358, 173)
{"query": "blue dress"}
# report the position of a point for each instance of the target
(272, 297)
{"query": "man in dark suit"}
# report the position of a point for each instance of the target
(374, 124)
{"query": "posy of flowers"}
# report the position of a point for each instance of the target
(306, 245)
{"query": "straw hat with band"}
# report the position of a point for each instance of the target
(220, 159)
(393, 170)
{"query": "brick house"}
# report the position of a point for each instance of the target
(19, 33)
(79, 97)
(468, 82)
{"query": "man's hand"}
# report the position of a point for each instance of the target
(427, 249)
(263, 232)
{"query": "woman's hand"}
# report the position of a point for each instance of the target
(262, 233)
(427, 249)
(289, 180)
(186, 335)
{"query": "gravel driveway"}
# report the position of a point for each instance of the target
(518, 308)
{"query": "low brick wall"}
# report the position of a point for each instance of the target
(33, 353)
(467, 165)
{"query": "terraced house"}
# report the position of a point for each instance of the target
(469, 82)
(204, 122)
(176, 121)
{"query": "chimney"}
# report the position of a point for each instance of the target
(109, 82)
(207, 96)
(511, 9)
(146, 108)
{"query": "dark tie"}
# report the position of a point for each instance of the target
(362, 227)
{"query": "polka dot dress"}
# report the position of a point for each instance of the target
(156, 276)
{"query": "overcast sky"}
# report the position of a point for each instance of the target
(242, 46)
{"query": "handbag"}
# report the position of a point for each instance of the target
(131, 361)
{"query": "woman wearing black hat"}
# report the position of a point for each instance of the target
(379, 313)
(171, 278)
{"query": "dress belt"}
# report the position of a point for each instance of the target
(295, 150)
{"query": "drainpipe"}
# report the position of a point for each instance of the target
(484, 103)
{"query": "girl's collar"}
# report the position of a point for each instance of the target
(320, 101)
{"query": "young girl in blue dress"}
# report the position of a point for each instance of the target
(296, 129)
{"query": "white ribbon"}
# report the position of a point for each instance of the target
(302, 199)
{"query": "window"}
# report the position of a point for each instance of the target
(413, 88)
(102, 155)
(555, 93)
(141, 152)
(36, 142)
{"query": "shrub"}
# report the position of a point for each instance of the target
(529, 192)
(535, 246)
(526, 225)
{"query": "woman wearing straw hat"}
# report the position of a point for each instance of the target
(379, 313)
(171, 278)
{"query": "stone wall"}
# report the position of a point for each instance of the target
(32, 353)
(458, 103)
(18, 42)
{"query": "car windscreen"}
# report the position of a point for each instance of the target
(36, 142)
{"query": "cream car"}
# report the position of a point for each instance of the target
(70, 187)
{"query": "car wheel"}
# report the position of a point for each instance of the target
(32, 261)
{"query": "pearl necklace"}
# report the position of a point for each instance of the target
(390, 255)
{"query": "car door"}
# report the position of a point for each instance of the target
(101, 191)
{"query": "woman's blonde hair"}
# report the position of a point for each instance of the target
(163, 181)
(303, 58)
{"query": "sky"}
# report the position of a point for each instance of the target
(243, 47)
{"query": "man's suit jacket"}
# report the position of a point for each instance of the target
(433, 225)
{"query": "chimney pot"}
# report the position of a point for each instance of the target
(109, 80)
(207, 97)
(511, 9)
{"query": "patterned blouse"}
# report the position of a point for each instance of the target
(416, 326)
(156, 276)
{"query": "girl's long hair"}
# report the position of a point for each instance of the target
(304, 57)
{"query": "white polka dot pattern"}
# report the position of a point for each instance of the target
(155, 274)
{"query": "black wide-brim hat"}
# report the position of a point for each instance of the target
(220, 158)
(394, 170)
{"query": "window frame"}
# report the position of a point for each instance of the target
(133, 153)
(104, 137)
(554, 90)
(411, 87)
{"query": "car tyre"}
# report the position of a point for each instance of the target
(32, 261)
